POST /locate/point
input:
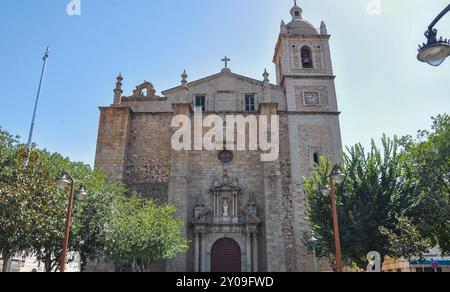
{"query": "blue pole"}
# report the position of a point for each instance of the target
(30, 137)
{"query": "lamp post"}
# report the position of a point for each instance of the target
(335, 177)
(62, 182)
(435, 51)
(313, 242)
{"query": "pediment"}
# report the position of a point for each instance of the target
(222, 76)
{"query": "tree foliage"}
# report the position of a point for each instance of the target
(429, 157)
(140, 232)
(13, 236)
(404, 239)
(408, 177)
(378, 186)
(33, 212)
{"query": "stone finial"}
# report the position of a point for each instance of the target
(200, 211)
(323, 28)
(296, 11)
(252, 210)
(184, 77)
(118, 90)
(266, 76)
(283, 28)
(251, 199)
(200, 200)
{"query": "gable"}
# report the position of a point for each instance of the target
(227, 79)
(223, 92)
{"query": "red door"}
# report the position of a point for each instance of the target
(225, 256)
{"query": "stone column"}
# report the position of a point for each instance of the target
(248, 252)
(255, 252)
(274, 247)
(197, 253)
(179, 191)
(203, 251)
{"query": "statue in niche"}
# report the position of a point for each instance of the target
(225, 208)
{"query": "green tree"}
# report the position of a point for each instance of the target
(142, 233)
(405, 240)
(429, 157)
(91, 219)
(379, 184)
(13, 239)
(47, 207)
(33, 213)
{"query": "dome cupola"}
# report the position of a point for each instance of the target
(298, 25)
(296, 11)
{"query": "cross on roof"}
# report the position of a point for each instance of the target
(226, 60)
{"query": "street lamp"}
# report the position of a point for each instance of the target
(435, 51)
(335, 177)
(313, 242)
(62, 182)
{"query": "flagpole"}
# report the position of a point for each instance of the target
(30, 137)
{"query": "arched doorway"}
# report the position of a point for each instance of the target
(225, 256)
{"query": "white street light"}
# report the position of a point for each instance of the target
(325, 191)
(81, 193)
(337, 175)
(62, 182)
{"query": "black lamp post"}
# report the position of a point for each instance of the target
(435, 51)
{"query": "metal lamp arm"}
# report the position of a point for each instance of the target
(439, 17)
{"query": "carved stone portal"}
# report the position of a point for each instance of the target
(227, 217)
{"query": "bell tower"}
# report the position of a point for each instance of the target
(303, 66)
(302, 50)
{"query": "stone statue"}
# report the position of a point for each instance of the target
(225, 208)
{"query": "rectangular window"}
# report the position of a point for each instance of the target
(316, 153)
(250, 105)
(200, 102)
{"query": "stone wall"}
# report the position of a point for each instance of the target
(288, 220)
(112, 141)
(148, 157)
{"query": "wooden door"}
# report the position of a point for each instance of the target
(226, 256)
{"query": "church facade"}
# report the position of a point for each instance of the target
(240, 213)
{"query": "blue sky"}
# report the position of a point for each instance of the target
(381, 87)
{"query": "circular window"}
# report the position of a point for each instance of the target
(226, 156)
